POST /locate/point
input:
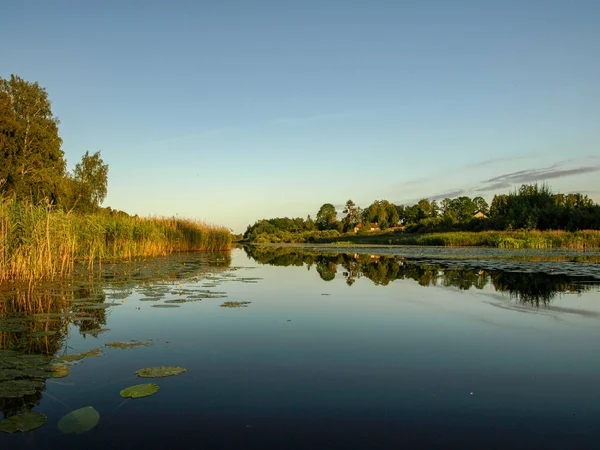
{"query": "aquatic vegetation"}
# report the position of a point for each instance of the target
(59, 371)
(165, 306)
(100, 306)
(235, 304)
(159, 372)
(40, 242)
(95, 331)
(23, 422)
(139, 390)
(42, 333)
(19, 388)
(76, 357)
(126, 345)
(79, 421)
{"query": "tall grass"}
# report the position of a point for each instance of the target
(502, 239)
(37, 242)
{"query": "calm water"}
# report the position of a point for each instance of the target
(334, 350)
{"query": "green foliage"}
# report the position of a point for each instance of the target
(38, 241)
(32, 164)
(139, 390)
(88, 184)
(159, 372)
(326, 217)
(79, 421)
(528, 208)
(27, 421)
(352, 217)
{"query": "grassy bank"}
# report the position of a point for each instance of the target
(37, 242)
(498, 239)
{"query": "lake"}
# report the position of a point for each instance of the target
(310, 348)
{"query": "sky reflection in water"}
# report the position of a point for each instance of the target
(387, 352)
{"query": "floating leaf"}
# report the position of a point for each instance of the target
(235, 304)
(140, 390)
(26, 421)
(79, 356)
(19, 388)
(132, 344)
(59, 371)
(100, 306)
(158, 372)
(79, 421)
(165, 306)
(95, 331)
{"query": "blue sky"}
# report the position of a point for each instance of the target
(232, 111)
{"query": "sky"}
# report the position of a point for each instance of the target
(233, 111)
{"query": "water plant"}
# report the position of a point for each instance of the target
(79, 421)
(139, 390)
(160, 371)
(41, 242)
(27, 421)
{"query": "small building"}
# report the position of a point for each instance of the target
(358, 227)
(479, 215)
(374, 226)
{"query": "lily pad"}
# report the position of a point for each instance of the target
(159, 372)
(100, 306)
(19, 388)
(235, 304)
(79, 421)
(26, 421)
(95, 331)
(140, 390)
(59, 371)
(79, 356)
(131, 344)
(165, 306)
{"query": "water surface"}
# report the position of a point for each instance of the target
(333, 350)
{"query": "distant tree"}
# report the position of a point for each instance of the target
(499, 206)
(400, 212)
(326, 217)
(464, 208)
(89, 183)
(435, 209)
(32, 163)
(352, 215)
(446, 206)
(481, 205)
(411, 214)
(309, 224)
(425, 209)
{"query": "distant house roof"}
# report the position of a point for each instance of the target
(480, 215)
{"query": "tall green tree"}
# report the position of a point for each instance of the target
(32, 164)
(352, 215)
(326, 217)
(88, 184)
(481, 205)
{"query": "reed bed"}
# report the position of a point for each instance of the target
(506, 239)
(37, 242)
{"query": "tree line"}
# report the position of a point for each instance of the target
(32, 163)
(531, 206)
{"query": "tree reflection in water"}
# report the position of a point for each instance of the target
(535, 289)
